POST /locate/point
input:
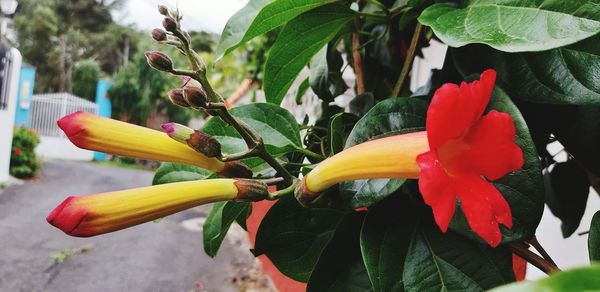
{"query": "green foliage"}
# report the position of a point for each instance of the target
(55, 35)
(23, 161)
(594, 238)
(581, 279)
(500, 24)
(85, 79)
(222, 215)
(298, 42)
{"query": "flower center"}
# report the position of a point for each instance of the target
(451, 154)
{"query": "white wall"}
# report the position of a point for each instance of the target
(61, 148)
(7, 117)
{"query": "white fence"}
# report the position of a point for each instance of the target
(46, 109)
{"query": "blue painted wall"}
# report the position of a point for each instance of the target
(24, 93)
(104, 108)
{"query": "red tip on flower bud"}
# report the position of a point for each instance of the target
(204, 143)
(162, 9)
(159, 35)
(176, 97)
(236, 169)
(170, 24)
(195, 96)
(305, 196)
(251, 190)
(159, 61)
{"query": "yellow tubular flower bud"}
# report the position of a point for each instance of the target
(390, 157)
(96, 133)
(107, 212)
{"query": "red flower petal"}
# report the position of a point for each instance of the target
(483, 206)
(454, 109)
(436, 188)
(493, 152)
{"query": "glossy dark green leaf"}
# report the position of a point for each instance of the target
(385, 237)
(325, 76)
(594, 238)
(451, 262)
(391, 116)
(218, 222)
(293, 237)
(173, 172)
(298, 42)
(341, 267)
(523, 189)
(581, 279)
(567, 194)
(259, 17)
(277, 126)
(243, 217)
(340, 126)
(514, 25)
(567, 75)
(361, 104)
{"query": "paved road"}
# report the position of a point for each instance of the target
(162, 256)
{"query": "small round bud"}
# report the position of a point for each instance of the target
(162, 9)
(236, 169)
(195, 96)
(176, 97)
(204, 143)
(170, 24)
(159, 35)
(159, 61)
(251, 190)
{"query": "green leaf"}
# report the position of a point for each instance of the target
(293, 237)
(218, 222)
(277, 126)
(243, 217)
(567, 75)
(594, 238)
(512, 25)
(302, 90)
(389, 117)
(582, 279)
(325, 76)
(567, 194)
(340, 126)
(450, 262)
(384, 241)
(297, 43)
(173, 172)
(523, 189)
(259, 17)
(340, 267)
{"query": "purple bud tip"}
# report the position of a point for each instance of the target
(168, 127)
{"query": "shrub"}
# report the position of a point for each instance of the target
(23, 161)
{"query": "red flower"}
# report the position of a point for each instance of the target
(467, 150)
(17, 151)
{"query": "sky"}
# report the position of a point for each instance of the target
(206, 15)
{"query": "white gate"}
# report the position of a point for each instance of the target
(46, 109)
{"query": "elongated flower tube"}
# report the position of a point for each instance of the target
(107, 212)
(389, 157)
(89, 131)
(457, 157)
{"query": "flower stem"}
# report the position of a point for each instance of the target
(410, 57)
(216, 106)
(536, 244)
(357, 58)
(522, 250)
